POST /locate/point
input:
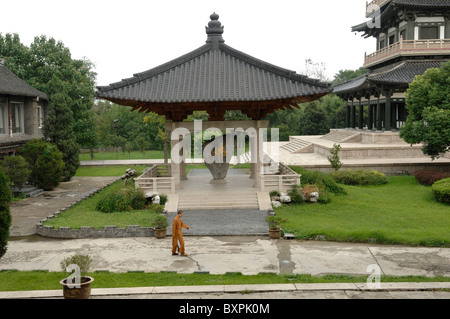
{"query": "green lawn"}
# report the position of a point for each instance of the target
(103, 156)
(85, 214)
(400, 212)
(39, 280)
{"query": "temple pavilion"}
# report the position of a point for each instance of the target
(411, 37)
(214, 78)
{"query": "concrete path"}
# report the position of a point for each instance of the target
(29, 211)
(249, 255)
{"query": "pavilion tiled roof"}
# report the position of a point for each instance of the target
(11, 84)
(400, 74)
(213, 73)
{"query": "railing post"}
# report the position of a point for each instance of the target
(401, 42)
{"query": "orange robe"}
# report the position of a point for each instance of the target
(177, 234)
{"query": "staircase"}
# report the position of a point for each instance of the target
(341, 136)
(218, 201)
(296, 146)
(29, 191)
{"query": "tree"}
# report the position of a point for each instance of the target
(313, 121)
(333, 158)
(428, 105)
(46, 60)
(5, 215)
(346, 75)
(58, 127)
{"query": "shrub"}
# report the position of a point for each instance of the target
(321, 179)
(45, 162)
(123, 199)
(274, 222)
(83, 261)
(360, 177)
(17, 169)
(296, 194)
(163, 199)
(333, 158)
(428, 178)
(5, 215)
(441, 190)
(160, 222)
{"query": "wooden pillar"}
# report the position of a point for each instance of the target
(394, 116)
(388, 114)
(353, 115)
(379, 117)
(347, 116)
(360, 115)
(370, 111)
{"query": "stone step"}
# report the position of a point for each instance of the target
(296, 145)
(218, 201)
(339, 136)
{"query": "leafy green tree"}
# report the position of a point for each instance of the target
(314, 120)
(46, 59)
(428, 105)
(5, 215)
(346, 75)
(58, 128)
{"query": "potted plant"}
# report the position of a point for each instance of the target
(274, 227)
(78, 284)
(160, 225)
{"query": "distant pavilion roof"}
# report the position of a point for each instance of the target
(400, 74)
(215, 78)
(11, 84)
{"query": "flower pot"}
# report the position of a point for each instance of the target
(275, 233)
(160, 233)
(219, 171)
(81, 292)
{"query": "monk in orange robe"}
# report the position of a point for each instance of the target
(177, 235)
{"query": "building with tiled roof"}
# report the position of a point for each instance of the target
(22, 111)
(216, 78)
(412, 36)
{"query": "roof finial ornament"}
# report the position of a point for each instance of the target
(214, 30)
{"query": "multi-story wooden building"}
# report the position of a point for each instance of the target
(22, 111)
(412, 36)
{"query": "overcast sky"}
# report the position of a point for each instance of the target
(122, 38)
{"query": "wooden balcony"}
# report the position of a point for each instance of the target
(371, 6)
(408, 48)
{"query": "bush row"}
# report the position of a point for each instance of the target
(123, 198)
(359, 177)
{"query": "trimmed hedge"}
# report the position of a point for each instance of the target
(321, 179)
(359, 177)
(123, 199)
(441, 190)
(428, 178)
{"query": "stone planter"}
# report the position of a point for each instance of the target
(160, 233)
(275, 233)
(219, 171)
(81, 292)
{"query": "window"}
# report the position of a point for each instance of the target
(17, 117)
(391, 39)
(40, 116)
(427, 33)
(3, 118)
(382, 44)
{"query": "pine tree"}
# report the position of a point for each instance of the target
(58, 127)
